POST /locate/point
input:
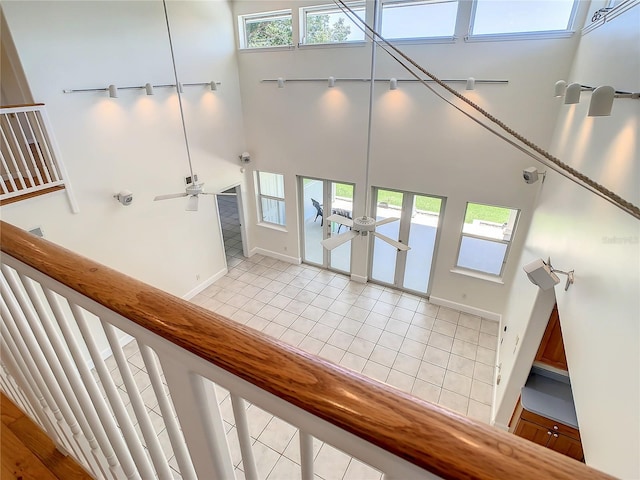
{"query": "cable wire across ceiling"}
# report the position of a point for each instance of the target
(526, 146)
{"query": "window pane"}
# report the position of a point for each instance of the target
(419, 19)
(268, 31)
(272, 211)
(271, 184)
(332, 25)
(482, 255)
(516, 16)
(486, 220)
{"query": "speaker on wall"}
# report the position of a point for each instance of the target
(541, 274)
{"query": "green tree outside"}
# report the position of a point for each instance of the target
(269, 33)
(320, 30)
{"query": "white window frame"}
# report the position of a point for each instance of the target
(261, 215)
(422, 39)
(242, 28)
(508, 233)
(490, 37)
(329, 8)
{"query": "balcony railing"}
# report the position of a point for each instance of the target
(30, 163)
(62, 314)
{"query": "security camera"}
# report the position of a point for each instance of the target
(530, 175)
(245, 157)
(125, 197)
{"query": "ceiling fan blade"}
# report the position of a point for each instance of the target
(392, 242)
(170, 195)
(192, 204)
(341, 220)
(384, 221)
(333, 242)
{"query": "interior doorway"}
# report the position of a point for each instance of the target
(418, 227)
(233, 232)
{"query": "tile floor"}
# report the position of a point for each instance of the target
(435, 353)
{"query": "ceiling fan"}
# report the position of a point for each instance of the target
(360, 226)
(192, 190)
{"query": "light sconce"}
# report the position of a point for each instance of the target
(125, 197)
(393, 84)
(543, 275)
(149, 89)
(280, 82)
(531, 175)
(113, 91)
(332, 82)
(213, 85)
(572, 94)
(560, 88)
(180, 87)
(471, 83)
(601, 102)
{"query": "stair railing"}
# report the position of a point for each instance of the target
(62, 314)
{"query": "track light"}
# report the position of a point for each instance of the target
(180, 87)
(471, 83)
(113, 91)
(572, 94)
(213, 85)
(332, 82)
(560, 88)
(149, 88)
(601, 102)
(393, 84)
(280, 82)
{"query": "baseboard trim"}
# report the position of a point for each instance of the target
(496, 317)
(276, 255)
(209, 281)
(358, 278)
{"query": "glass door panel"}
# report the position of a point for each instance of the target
(341, 204)
(425, 215)
(313, 220)
(384, 258)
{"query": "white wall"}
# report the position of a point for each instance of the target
(600, 313)
(135, 141)
(419, 143)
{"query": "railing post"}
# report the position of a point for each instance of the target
(201, 421)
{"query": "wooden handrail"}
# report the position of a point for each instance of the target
(23, 105)
(429, 436)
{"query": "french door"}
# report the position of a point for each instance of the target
(418, 227)
(319, 199)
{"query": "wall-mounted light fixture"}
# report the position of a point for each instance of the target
(332, 82)
(147, 87)
(393, 84)
(467, 81)
(601, 98)
(543, 275)
(280, 82)
(471, 84)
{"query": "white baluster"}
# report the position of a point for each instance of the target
(110, 427)
(306, 455)
(12, 369)
(44, 147)
(173, 428)
(13, 161)
(52, 357)
(160, 462)
(25, 143)
(242, 428)
(99, 442)
(20, 155)
(49, 390)
(201, 420)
